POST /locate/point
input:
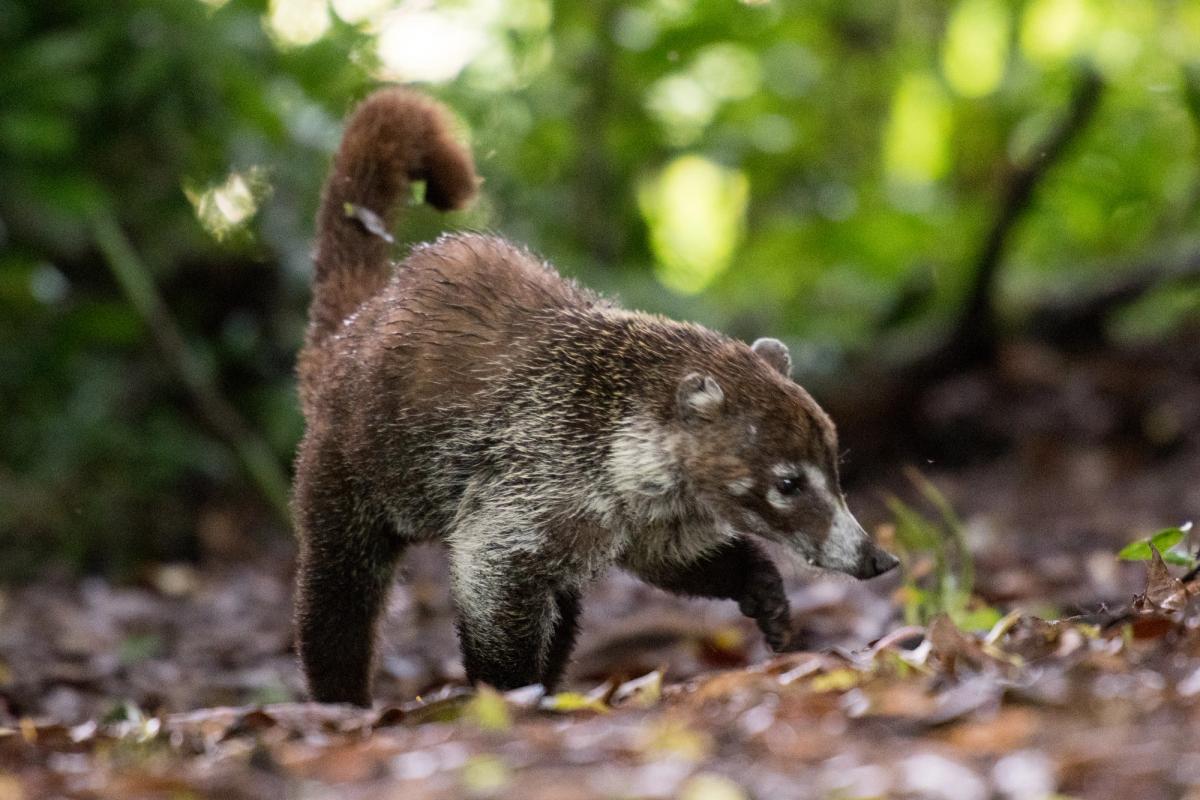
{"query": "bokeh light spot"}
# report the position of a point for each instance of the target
(916, 140)
(428, 46)
(295, 23)
(226, 207)
(1053, 30)
(696, 212)
(976, 50)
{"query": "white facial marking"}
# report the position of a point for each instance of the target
(784, 469)
(845, 541)
(816, 479)
(740, 487)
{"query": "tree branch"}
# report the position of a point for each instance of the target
(131, 274)
(974, 336)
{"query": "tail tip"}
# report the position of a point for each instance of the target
(414, 133)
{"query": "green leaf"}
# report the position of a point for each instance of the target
(488, 710)
(976, 619)
(140, 648)
(567, 702)
(1135, 551)
(1179, 560)
(1163, 541)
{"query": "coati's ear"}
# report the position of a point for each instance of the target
(699, 397)
(775, 353)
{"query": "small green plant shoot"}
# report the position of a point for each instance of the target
(1167, 542)
(946, 586)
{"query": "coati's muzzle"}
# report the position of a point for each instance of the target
(849, 549)
(874, 560)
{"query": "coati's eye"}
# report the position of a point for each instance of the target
(789, 486)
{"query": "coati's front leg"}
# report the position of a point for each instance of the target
(562, 641)
(347, 558)
(738, 570)
(506, 611)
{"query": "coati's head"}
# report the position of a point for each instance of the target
(761, 456)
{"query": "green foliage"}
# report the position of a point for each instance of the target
(939, 573)
(140, 648)
(1166, 542)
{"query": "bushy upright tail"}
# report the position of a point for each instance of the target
(393, 137)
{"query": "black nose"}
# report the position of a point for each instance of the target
(884, 562)
(876, 562)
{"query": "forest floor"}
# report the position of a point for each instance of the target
(1072, 674)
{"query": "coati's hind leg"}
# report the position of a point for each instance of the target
(738, 570)
(348, 554)
(505, 613)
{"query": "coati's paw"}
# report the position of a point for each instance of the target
(766, 604)
(777, 629)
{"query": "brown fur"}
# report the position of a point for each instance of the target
(474, 396)
(395, 136)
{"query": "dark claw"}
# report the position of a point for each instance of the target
(767, 605)
(777, 628)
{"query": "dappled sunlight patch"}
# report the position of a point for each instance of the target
(635, 28)
(1111, 35)
(436, 43)
(415, 41)
(682, 106)
(225, 208)
(428, 45)
(296, 23)
(1054, 30)
(686, 102)
(696, 211)
(728, 71)
(358, 11)
(916, 142)
(975, 54)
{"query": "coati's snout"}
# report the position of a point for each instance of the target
(876, 561)
(766, 455)
(848, 548)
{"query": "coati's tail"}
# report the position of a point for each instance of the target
(393, 137)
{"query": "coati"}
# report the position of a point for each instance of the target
(472, 395)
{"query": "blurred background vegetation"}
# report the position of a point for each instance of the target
(828, 172)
